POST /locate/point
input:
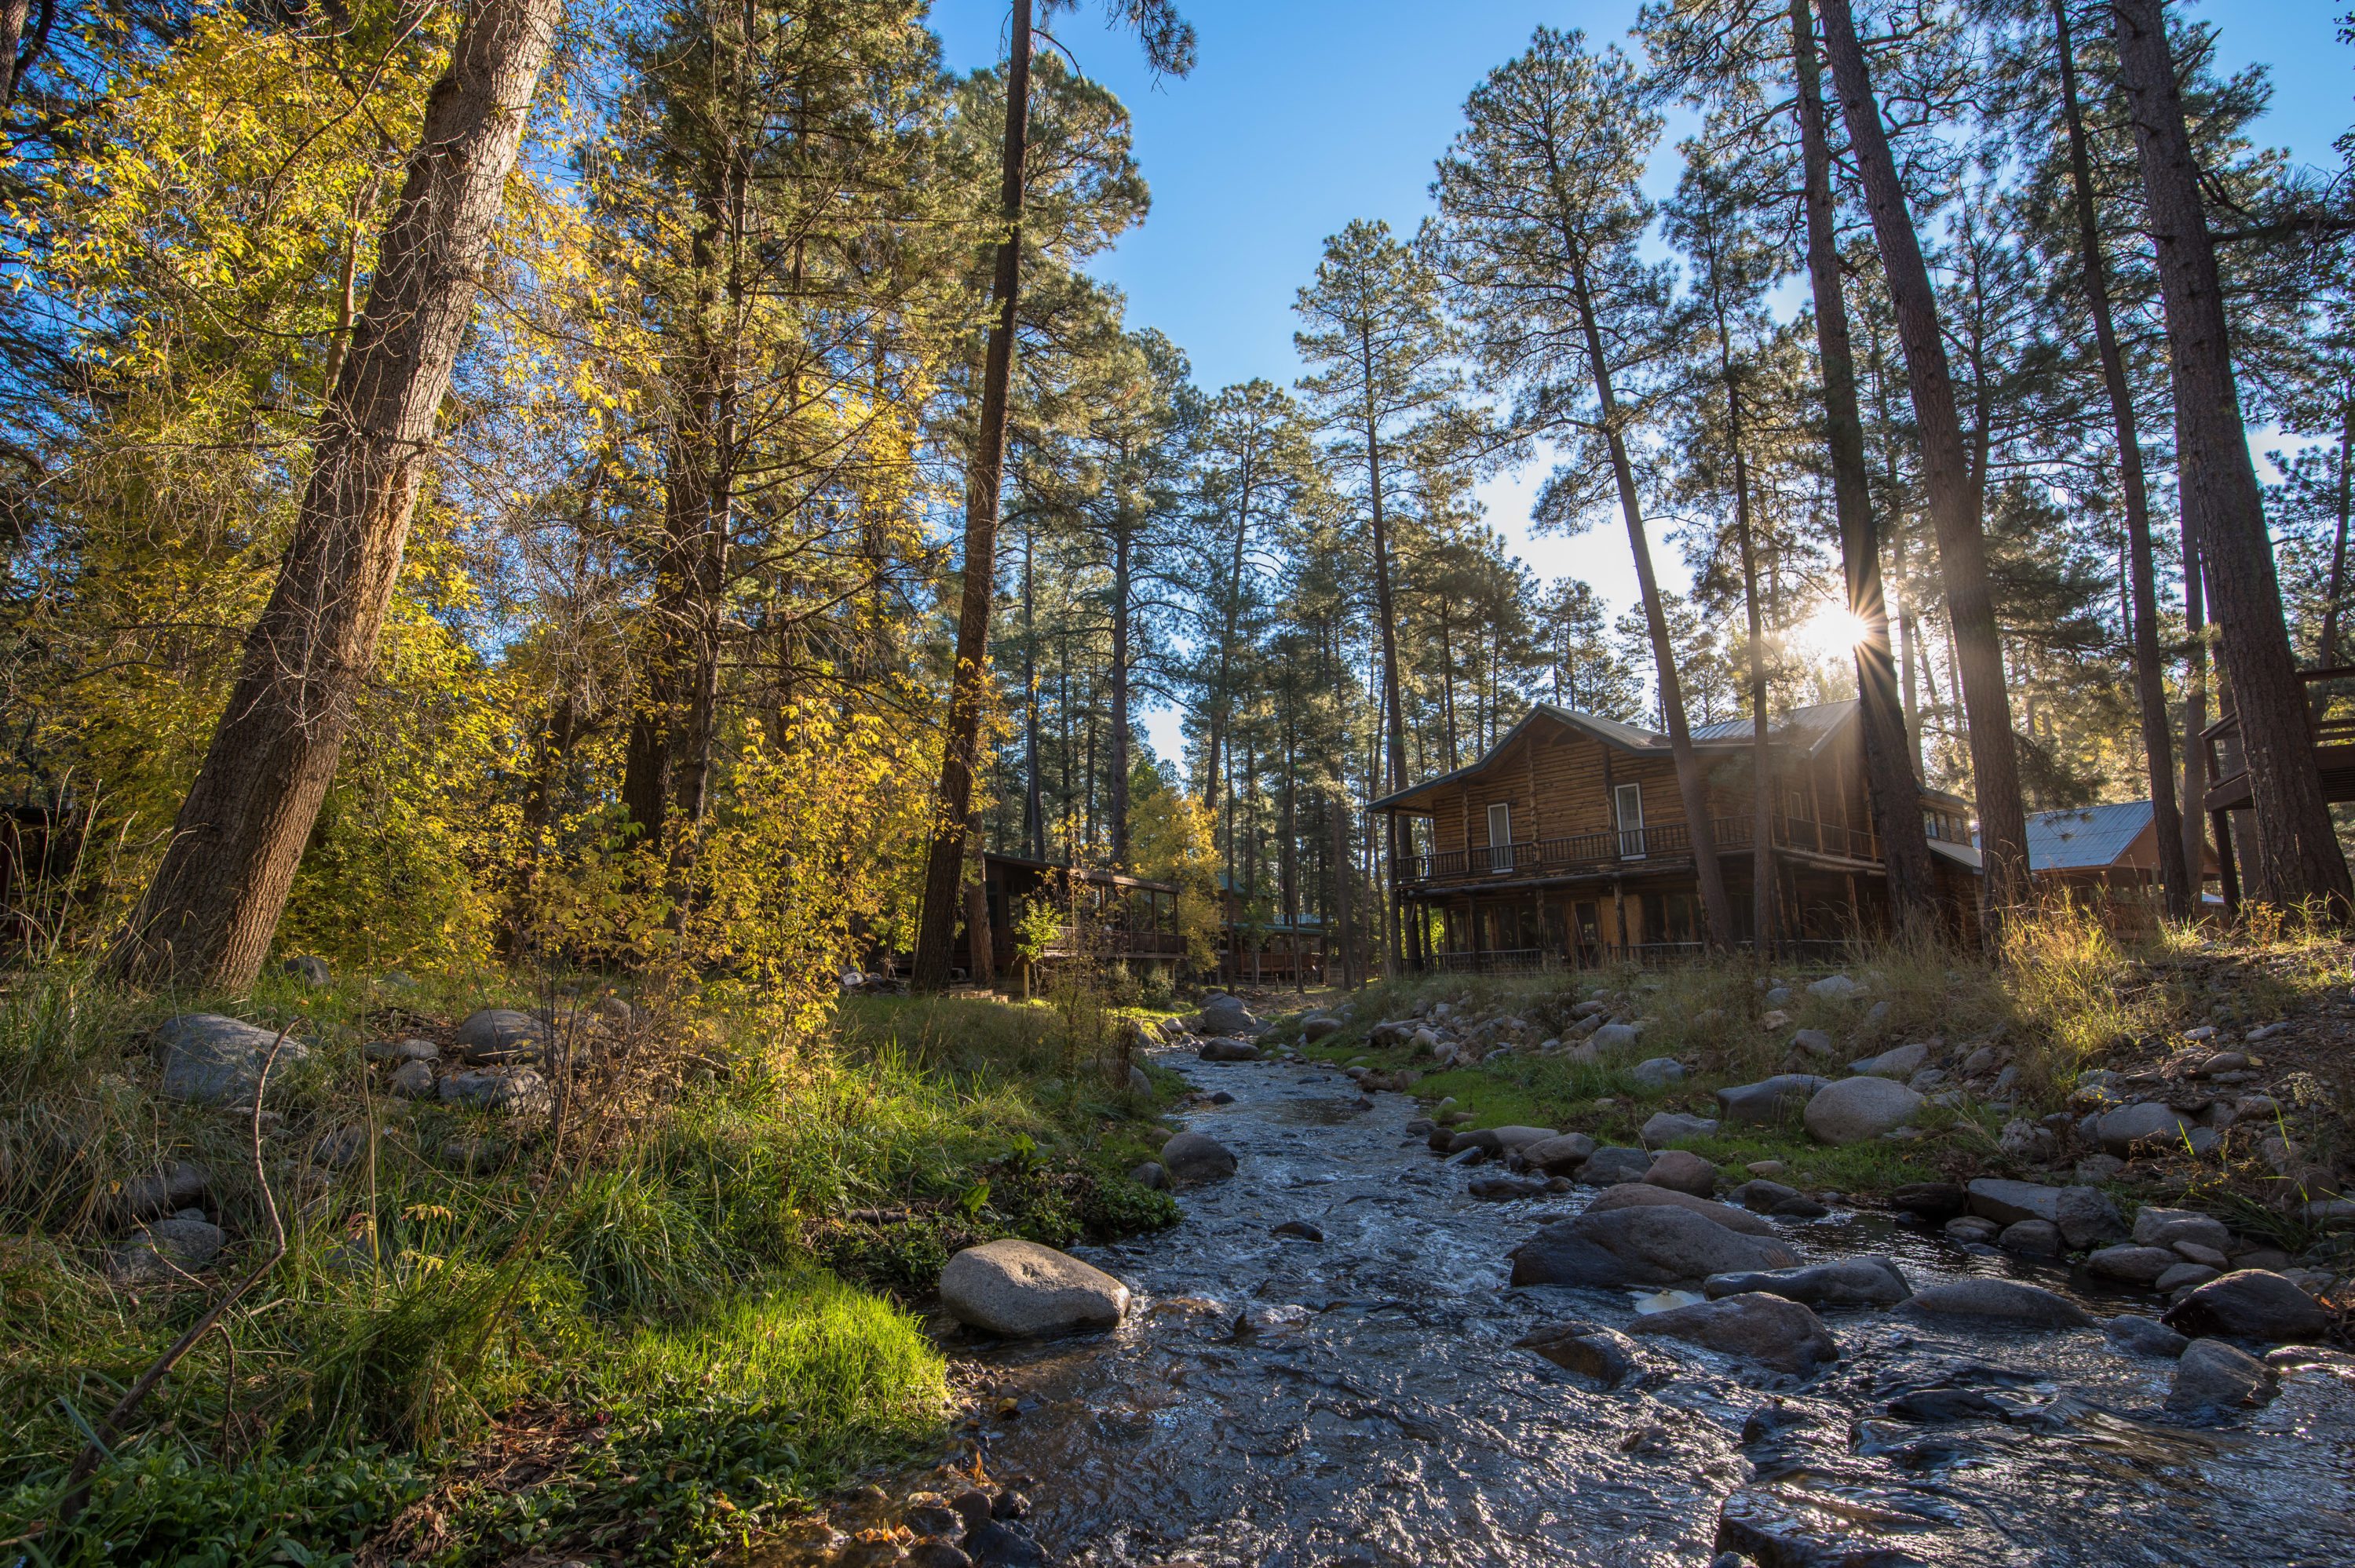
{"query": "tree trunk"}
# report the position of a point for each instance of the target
(1762, 827)
(14, 14)
(1117, 808)
(2327, 654)
(969, 685)
(209, 915)
(1394, 717)
(2150, 680)
(2298, 859)
(1946, 476)
(1034, 813)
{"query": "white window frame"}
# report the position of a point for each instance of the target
(1631, 834)
(1505, 843)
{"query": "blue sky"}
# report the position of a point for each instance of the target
(1302, 116)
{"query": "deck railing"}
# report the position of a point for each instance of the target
(1628, 849)
(2329, 721)
(1650, 955)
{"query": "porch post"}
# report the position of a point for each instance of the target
(1619, 907)
(2225, 864)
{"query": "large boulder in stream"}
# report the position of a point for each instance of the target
(1226, 1050)
(2083, 1215)
(1019, 1289)
(2249, 1303)
(1643, 1194)
(2214, 1375)
(1639, 1245)
(1196, 1157)
(2006, 1301)
(1850, 1282)
(1228, 1015)
(1767, 1329)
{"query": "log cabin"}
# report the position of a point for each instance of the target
(1567, 843)
(1108, 917)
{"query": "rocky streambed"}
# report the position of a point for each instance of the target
(1328, 1363)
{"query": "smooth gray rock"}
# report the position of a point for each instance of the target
(401, 1051)
(1901, 1062)
(2249, 1303)
(1655, 1072)
(1317, 1027)
(1609, 1166)
(311, 970)
(1858, 1110)
(164, 1250)
(1682, 1172)
(1227, 1015)
(513, 1092)
(1639, 1245)
(1930, 1200)
(2144, 1336)
(1760, 1195)
(214, 1060)
(1852, 1282)
(1645, 1194)
(2041, 1238)
(411, 1081)
(1771, 1330)
(1501, 1189)
(1670, 1126)
(1196, 1157)
(1813, 1042)
(500, 1036)
(2212, 1374)
(1560, 1154)
(1150, 1174)
(1836, 988)
(1603, 1354)
(2122, 1131)
(1018, 1289)
(1228, 1050)
(2083, 1215)
(1779, 996)
(166, 1189)
(1615, 1037)
(2136, 1264)
(1513, 1139)
(1997, 1301)
(2155, 1227)
(2184, 1275)
(1770, 1101)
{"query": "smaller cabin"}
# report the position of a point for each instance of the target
(2108, 856)
(1274, 951)
(1110, 916)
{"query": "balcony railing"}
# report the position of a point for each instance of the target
(2329, 721)
(1629, 849)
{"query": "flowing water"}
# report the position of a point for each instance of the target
(1358, 1400)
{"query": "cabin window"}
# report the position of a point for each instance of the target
(1500, 836)
(1628, 801)
(1590, 927)
(1934, 825)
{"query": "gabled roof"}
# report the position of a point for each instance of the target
(2082, 840)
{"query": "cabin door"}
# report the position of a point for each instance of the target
(1628, 801)
(1500, 836)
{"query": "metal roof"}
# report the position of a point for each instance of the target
(2081, 839)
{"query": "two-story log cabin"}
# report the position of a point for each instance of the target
(1568, 842)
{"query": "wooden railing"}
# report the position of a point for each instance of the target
(1615, 848)
(2329, 721)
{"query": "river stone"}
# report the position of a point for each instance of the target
(2212, 1373)
(1814, 1042)
(1603, 1354)
(1501, 1189)
(1759, 1195)
(1226, 1050)
(1668, 1127)
(1836, 988)
(311, 970)
(1858, 1110)
(1768, 1330)
(2084, 1216)
(1482, 1138)
(1518, 1138)
(1227, 1015)
(2249, 1303)
(2144, 1336)
(1769, 1101)
(218, 1061)
(1560, 1154)
(1901, 1063)
(2137, 1265)
(1643, 1195)
(1850, 1282)
(1930, 1200)
(1150, 1174)
(1018, 1289)
(2153, 1226)
(401, 1051)
(1680, 1171)
(2184, 1276)
(166, 1189)
(1610, 1166)
(411, 1081)
(1196, 1157)
(1316, 1029)
(1642, 1246)
(1615, 1037)
(514, 1092)
(164, 1250)
(2121, 1131)
(2040, 1238)
(1655, 1072)
(1999, 1302)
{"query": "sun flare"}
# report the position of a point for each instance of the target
(1833, 630)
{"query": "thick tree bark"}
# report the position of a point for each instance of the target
(1946, 475)
(1123, 525)
(1762, 764)
(1034, 811)
(2326, 654)
(209, 915)
(2195, 702)
(1890, 782)
(969, 685)
(1394, 717)
(16, 54)
(1717, 911)
(2150, 680)
(2297, 858)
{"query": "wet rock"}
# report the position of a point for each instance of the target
(933, 1516)
(1657, 1072)
(1603, 1354)
(1770, 1101)
(1612, 1166)
(936, 1554)
(1560, 1154)
(311, 970)
(167, 1190)
(1482, 1138)
(1641, 1195)
(411, 1081)
(2144, 1336)
(973, 1504)
(2155, 1227)
(1997, 1301)
(991, 1545)
(1970, 1229)
(1642, 1246)
(1615, 1037)
(500, 1036)
(1760, 1195)
(1300, 1228)
(2122, 1131)
(2083, 1215)
(2039, 1238)
(218, 1061)
(1668, 1127)
(2192, 1252)
(1019, 1289)
(1227, 1015)
(1857, 1110)
(1813, 1043)
(2136, 1264)
(514, 1093)
(1150, 1174)
(164, 1250)
(2212, 1374)
(1930, 1200)
(1222, 1098)
(1010, 1504)
(1680, 1171)
(1799, 1207)
(1850, 1282)
(1227, 1051)
(1196, 1157)
(1901, 1063)
(2184, 1276)
(1770, 1329)
(2249, 1303)
(1499, 1189)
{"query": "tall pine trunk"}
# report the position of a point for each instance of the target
(1394, 717)
(1034, 813)
(2150, 680)
(2327, 655)
(208, 917)
(969, 685)
(1124, 524)
(1946, 476)
(2297, 858)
